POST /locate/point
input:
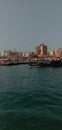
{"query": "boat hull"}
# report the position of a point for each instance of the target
(46, 63)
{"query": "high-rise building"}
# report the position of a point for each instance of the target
(41, 49)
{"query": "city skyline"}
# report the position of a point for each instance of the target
(26, 23)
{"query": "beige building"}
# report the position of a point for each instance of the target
(41, 49)
(59, 51)
(12, 54)
(4, 53)
(51, 52)
(25, 54)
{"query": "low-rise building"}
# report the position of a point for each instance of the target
(59, 51)
(4, 53)
(25, 54)
(51, 52)
(12, 54)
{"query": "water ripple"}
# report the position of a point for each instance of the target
(30, 98)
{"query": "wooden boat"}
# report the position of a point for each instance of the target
(5, 63)
(8, 62)
(33, 63)
(56, 63)
(46, 63)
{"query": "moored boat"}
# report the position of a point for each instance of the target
(33, 63)
(8, 62)
(56, 63)
(46, 63)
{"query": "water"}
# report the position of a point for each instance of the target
(30, 98)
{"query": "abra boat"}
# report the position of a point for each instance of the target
(46, 63)
(33, 62)
(56, 63)
(50, 63)
(8, 62)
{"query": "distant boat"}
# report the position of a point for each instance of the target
(46, 63)
(8, 62)
(56, 63)
(33, 62)
(2, 63)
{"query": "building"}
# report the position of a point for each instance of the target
(4, 53)
(41, 49)
(51, 52)
(59, 51)
(25, 54)
(12, 54)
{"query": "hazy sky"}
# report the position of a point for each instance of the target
(27, 23)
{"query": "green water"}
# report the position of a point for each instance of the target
(30, 98)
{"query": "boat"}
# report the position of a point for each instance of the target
(56, 63)
(33, 62)
(46, 63)
(8, 62)
(5, 63)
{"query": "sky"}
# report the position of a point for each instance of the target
(24, 24)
